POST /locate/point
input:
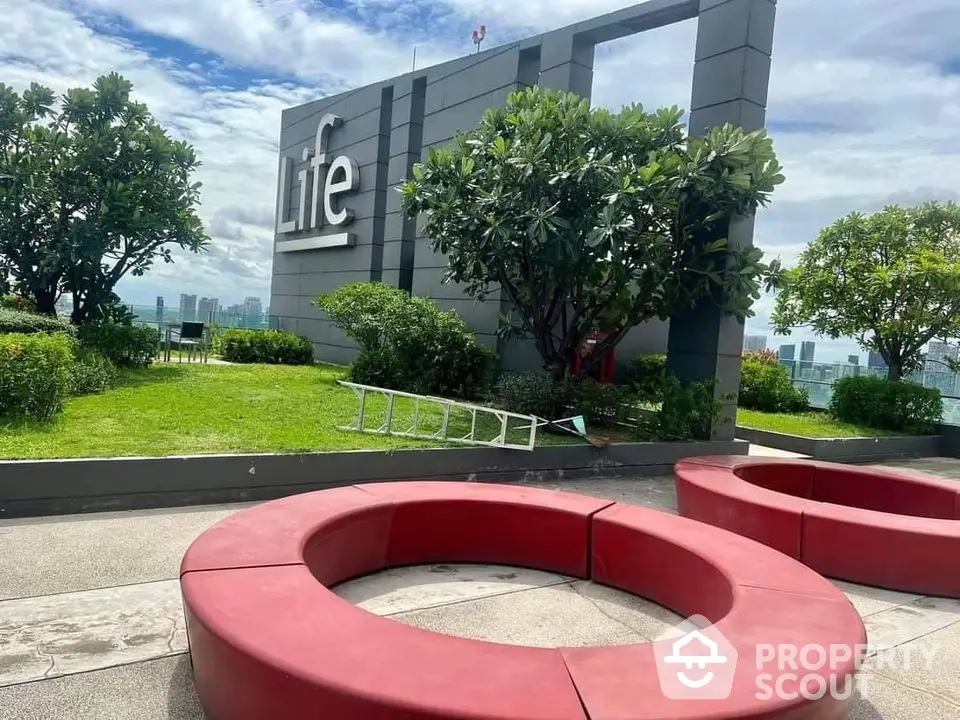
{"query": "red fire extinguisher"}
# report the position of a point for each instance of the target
(603, 369)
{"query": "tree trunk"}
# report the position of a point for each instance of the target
(558, 371)
(894, 372)
(46, 302)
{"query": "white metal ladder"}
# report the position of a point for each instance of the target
(444, 406)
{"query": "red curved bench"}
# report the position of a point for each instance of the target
(268, 639)
(853, 523)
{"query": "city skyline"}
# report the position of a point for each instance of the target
(826, 349)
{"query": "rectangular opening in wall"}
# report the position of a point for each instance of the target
(654, 67)
(528, 68)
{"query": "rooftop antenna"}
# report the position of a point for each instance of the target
(414, 58)
(478, 35)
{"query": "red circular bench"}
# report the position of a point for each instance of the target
(853, 523)
(269, 639)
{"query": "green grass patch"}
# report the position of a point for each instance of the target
(810, 424)
(194, 409)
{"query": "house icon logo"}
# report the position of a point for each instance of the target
(695, 661)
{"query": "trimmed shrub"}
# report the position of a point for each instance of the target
(768, 388)
(129, 346)
(92, 373)
(17, 302)
(27, 323)
(272, 347)
(35, 374)
(407, 343)
(646, 374)
(887, 405)
(377, 366)
(532, 394)
(537, 394)
(687, 411)
(601, 403)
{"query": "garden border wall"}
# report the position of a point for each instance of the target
(53, 487)
(846, 449)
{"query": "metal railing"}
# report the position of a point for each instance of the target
(150, 315)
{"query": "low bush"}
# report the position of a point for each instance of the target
(646, 374)
(768, 388)
(17, 302)
(35, 374)
(377, 366)
(532, 394)
(129, 346)
(408, 343)
(91, 373)
(21, 321)
(687, 412)
(272, 347)
(537, 394)
(887, 405)
(601, 403)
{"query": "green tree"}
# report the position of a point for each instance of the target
(590, 220)
(891, 280)
(91, 188)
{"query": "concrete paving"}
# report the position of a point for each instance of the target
(91, 622)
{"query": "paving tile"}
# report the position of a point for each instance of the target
(71, 633)
(881, 698)
(67, 553)
(644, 617)
(940, 466)
(424, 586)
(898, 625)
(870, 600)
(930, 663)
(654, 492)
(544, 617)
(155, 690)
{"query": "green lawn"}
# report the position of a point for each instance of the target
(185, 409)
(811, 424)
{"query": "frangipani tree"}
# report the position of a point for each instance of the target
(891, 280)
(92, 189)
(590, 220)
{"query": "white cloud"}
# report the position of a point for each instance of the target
(867, 77)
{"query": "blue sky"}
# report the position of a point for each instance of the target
(864, 102)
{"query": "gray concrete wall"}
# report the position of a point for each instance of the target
(53, 487)
(388, 126)
(857, 449)
(950, 441)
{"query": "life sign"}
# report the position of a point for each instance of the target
(321, 183)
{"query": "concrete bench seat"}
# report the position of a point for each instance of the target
(270, 639)
(860, 524)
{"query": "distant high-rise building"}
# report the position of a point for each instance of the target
(755, 342)
(188, 308)
(159, 310)
(853, 359)
(939, 356)
(252, 310)
(875, 360)
(787, 352)
(208, 309)
(808, 349)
